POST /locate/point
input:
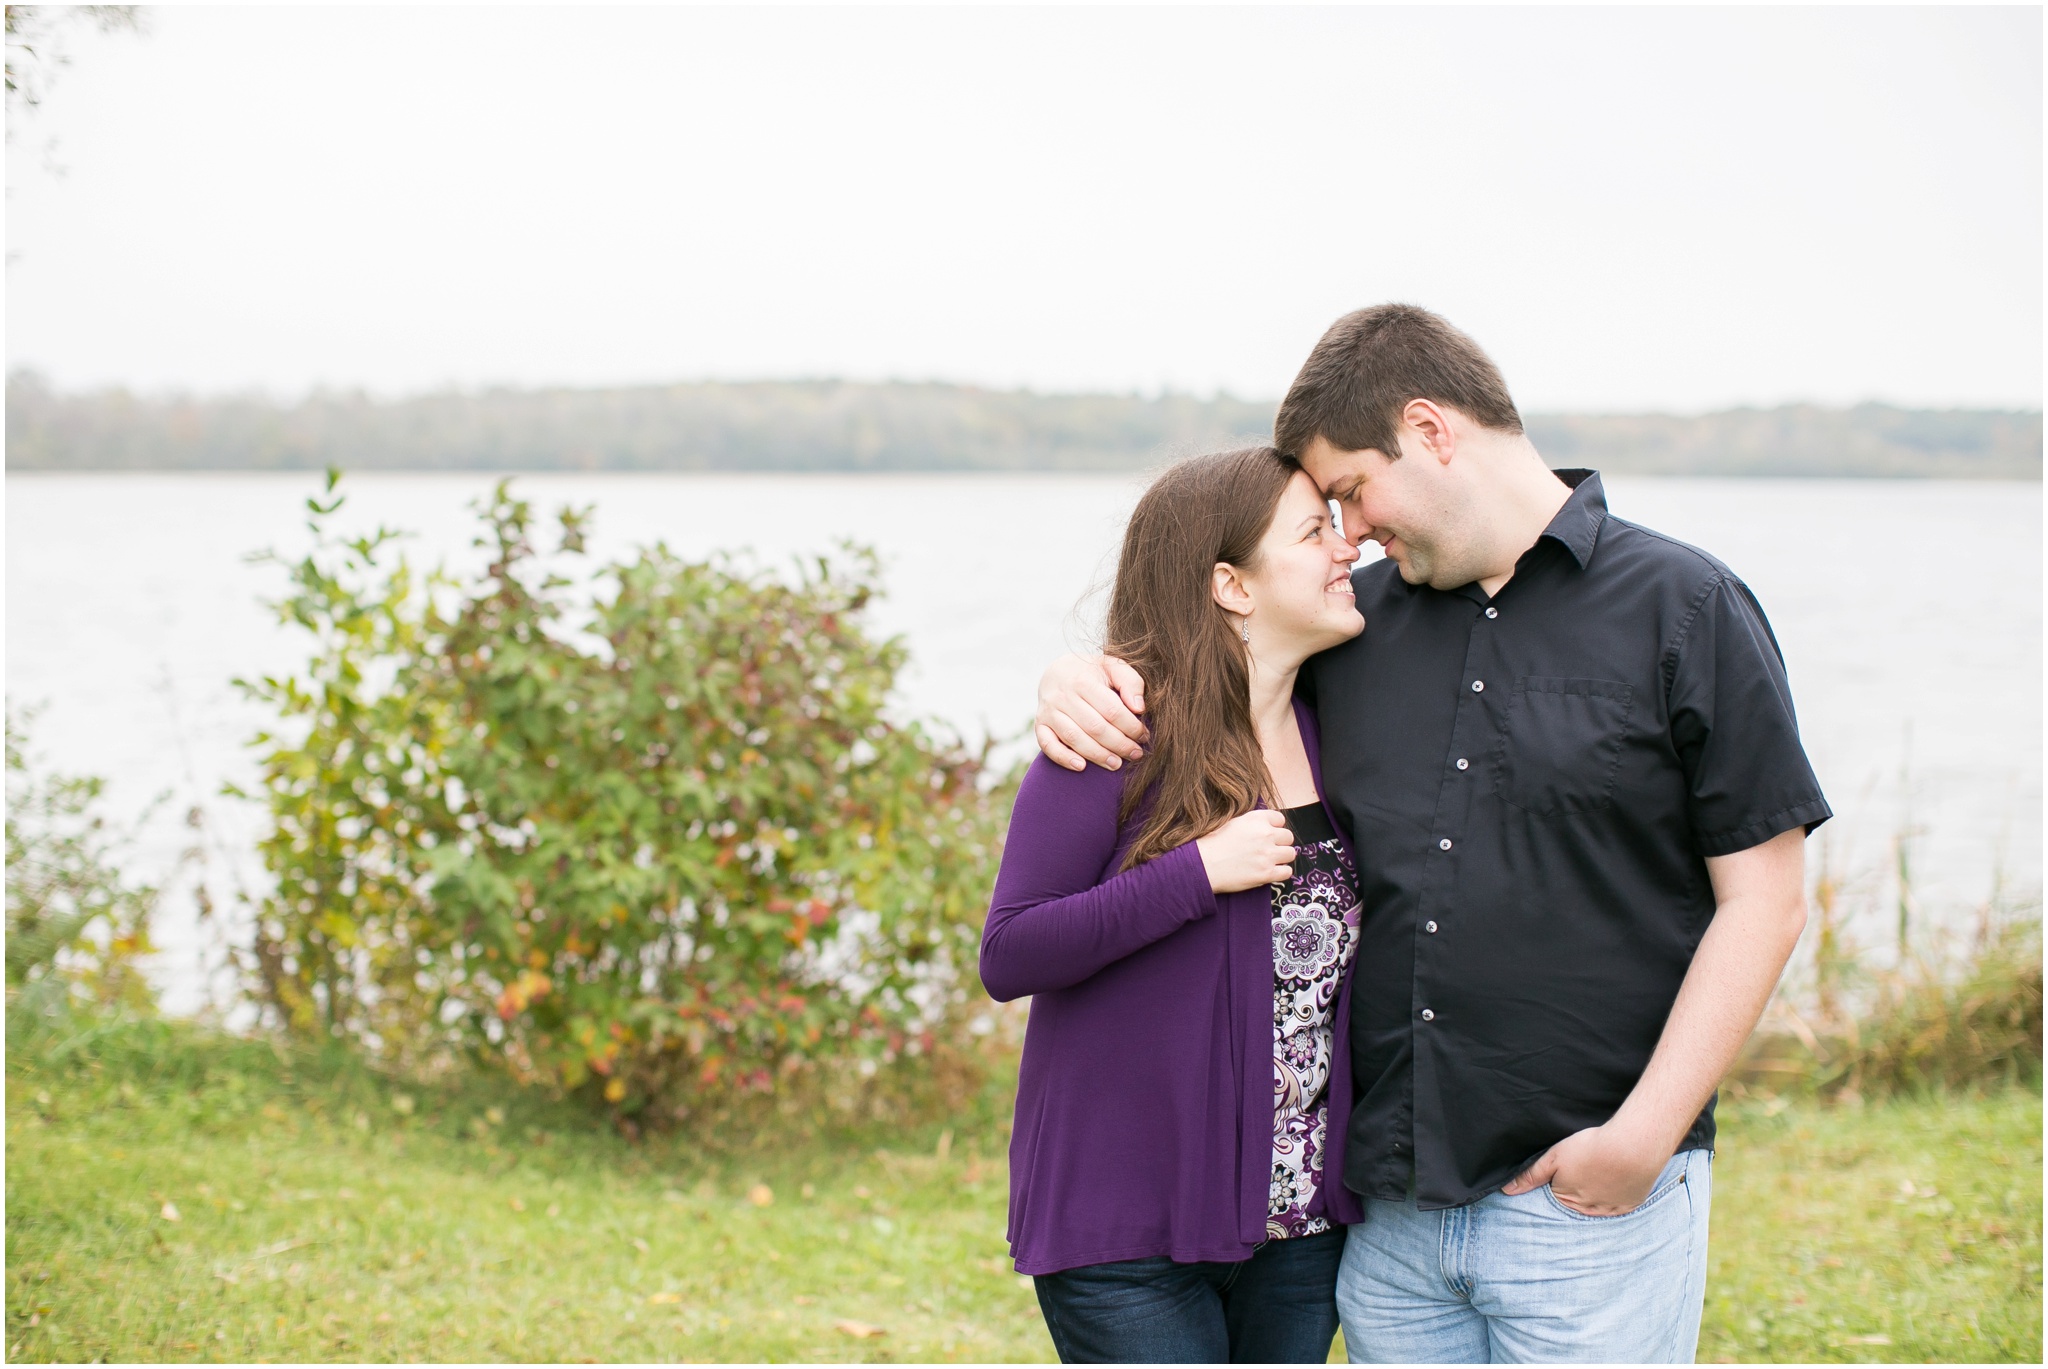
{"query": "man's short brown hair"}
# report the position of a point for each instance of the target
(1352, 388)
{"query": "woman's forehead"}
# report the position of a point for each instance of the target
(1302, 497)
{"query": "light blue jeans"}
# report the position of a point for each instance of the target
(1527, 1280)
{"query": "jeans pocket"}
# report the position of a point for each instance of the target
(1667, 1184)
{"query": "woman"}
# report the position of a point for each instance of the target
(1186, 928)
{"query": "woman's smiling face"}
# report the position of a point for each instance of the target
(1300, 588)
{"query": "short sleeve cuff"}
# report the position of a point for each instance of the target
(1808, 815)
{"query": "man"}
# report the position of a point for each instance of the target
(1565, 751)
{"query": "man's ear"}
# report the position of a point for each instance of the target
(1432, 430)
(1227, 588)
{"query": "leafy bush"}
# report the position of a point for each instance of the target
(76, 928)
(650, 847)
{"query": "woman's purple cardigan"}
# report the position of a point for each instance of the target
(1145, 1100)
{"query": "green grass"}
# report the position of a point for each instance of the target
(1903, 1231)
(318, 1219)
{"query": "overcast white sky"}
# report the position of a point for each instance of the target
(1631, 208)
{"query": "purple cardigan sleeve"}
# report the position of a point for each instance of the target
(1055, 919)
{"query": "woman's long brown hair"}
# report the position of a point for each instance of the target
(1204, 765)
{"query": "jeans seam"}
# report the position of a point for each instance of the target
(1052, 1327)
(1692, 1227)
(1230, 1279)
(1685, 1284)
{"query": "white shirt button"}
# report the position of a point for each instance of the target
(1478, 686)
(1464, 764)
(1493, 613)
(1428, 1016)
(1444, 845)
(1429, 927)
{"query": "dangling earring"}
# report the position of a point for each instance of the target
(1244, 628)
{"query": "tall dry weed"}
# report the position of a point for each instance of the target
(1942, 1014)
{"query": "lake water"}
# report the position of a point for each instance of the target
(1909, 612)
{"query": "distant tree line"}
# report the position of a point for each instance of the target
(1801, 440)
(829, 425)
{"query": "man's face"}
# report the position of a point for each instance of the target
(1394, 503)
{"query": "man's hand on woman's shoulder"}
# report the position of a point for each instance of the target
(1088, 709)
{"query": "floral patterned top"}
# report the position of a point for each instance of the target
(1315, 935)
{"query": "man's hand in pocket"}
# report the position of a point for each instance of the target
(1600, 1172)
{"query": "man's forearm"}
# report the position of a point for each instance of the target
(1759, 911)
(1722, 997)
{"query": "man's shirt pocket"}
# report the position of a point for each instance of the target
(1560, 744)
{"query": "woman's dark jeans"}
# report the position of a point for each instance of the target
(1278, 1307)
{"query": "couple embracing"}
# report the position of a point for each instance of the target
(1386, 970)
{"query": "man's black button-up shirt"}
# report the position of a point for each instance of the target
(1533, 783)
